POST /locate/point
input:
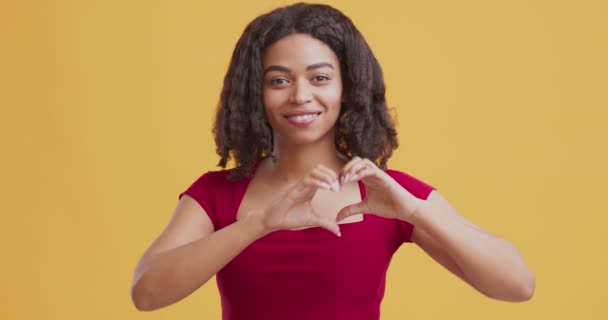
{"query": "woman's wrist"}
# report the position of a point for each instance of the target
(256, 222)
(415, 211)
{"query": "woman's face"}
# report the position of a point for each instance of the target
(302, 89)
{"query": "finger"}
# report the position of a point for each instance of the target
(316, 183)
(319, 177)
(351, 210)
(350, 163)
(347, 167)
(330, 172)
(324, 176)
(329, 225)
(327, 169)
(366, 171)
(353, 172)
(306, 189)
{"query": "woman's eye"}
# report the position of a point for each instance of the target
(278, 81)
(320, 78)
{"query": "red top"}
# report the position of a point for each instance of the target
(305, 274)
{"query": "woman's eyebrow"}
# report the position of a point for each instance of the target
(310, 67)
(319, 65)
(277, 68)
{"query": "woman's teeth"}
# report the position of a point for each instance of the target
(305, 117)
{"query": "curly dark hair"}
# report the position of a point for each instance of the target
(364, 127)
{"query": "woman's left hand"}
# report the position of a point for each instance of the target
(384, 196)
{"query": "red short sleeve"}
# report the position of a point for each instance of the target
(200, 191)
(416, 187)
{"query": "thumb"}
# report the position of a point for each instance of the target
(351, 210)
(330, 225)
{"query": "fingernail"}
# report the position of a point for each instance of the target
(336, 186)
(326, 186)
(347, 177)
(355, 177)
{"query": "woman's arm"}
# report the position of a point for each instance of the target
(187, 254)
(490, 264)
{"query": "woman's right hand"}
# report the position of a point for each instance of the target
(294, 209)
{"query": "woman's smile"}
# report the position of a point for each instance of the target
(302, 119)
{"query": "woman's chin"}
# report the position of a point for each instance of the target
(307, 137)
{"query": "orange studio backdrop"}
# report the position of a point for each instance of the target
(106, 115)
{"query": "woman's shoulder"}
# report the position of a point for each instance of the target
(210, 185)
(217, 174)
(216, 177)
(417, 187)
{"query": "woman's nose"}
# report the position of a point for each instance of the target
(302, 93)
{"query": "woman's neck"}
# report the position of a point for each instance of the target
(292, 162)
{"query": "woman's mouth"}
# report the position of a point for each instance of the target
(303, 120)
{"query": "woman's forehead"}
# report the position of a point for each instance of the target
(299, 50)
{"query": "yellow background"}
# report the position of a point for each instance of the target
(106, 113)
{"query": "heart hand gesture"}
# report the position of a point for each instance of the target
(384, 196)
(294, 209)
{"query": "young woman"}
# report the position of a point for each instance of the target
(305, 225)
